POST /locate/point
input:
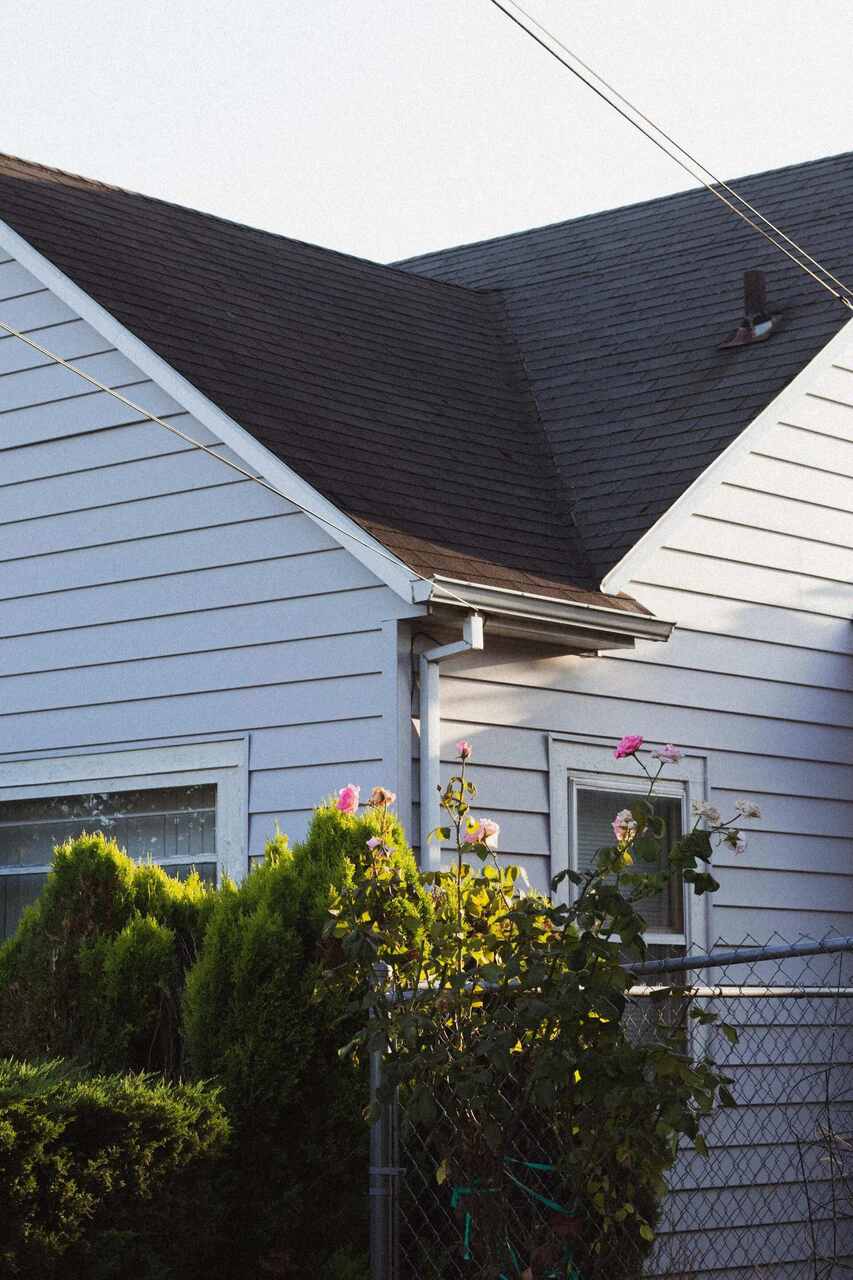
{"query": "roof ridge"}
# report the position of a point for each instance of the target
(404, 263)
(97, 184)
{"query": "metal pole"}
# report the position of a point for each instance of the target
(384, 1166)
(378, 1258)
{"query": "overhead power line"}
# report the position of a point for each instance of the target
(674, 142)
(846, 294)
(235, 466)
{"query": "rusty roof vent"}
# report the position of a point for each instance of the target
(757, 324)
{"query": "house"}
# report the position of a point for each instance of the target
(516, 492)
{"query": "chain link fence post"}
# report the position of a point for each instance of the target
(385, 1172)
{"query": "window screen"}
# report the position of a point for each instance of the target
(175, 826)
(663, 913)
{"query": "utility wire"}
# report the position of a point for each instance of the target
(675, 143)
(235, 466)
(672, 156)
(684, 151)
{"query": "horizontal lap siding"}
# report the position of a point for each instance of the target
(757, 675)
(148, 592)
(796, 875)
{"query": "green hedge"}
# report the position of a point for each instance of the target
(106, 1177)
(96, 969)
(259, 1020)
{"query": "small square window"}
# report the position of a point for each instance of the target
(587, 788)
(595, 810)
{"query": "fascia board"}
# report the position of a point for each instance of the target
(630, 566)
(366, 549)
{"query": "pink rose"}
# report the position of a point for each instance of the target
(381, 796)
(628, 746)
(669, 753)
(624, 826)
(483, 832)
(348, 798)
(463, 749)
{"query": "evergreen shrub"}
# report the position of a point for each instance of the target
(96, 969)
(104, 1177)
(261, 1022)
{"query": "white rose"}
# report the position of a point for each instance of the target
(709, 812)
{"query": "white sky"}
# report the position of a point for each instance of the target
(389, 127)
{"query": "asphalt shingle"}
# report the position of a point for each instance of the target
(400, 398)
(619, 317)
(516, 412)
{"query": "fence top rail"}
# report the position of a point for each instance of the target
(721, 959)
(739, 955)
(726, 991)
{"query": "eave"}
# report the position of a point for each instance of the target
(569, 624)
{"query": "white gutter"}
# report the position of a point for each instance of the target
(430, 716)
(524, 605)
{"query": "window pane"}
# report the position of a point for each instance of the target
(157, 822)
(663, 913)
(206, 871)
(168, 822)
(16, 894)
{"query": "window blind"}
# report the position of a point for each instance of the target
(596, 810)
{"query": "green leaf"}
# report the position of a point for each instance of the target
(700, 1145)
(647, 847)
(729, 1032)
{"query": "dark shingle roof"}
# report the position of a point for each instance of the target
(619, 317)
(516, 412)
(400, 398)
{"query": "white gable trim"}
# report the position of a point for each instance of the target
(374, 556)
(630, 565)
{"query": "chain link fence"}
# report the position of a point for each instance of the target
(772, 1200)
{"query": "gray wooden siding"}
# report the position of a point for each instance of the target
(758, 578)
(148, 593)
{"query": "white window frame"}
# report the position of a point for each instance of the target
(587, 764)
(223, 763)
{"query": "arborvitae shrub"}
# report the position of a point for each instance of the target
(96, 969)
(260, 1021)
(106, 1177)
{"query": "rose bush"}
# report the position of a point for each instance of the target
(514, 1047)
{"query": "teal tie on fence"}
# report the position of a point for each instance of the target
(458, 1194)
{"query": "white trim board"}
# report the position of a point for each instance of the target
(394, 573)
(573, 759)
(749, 438)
